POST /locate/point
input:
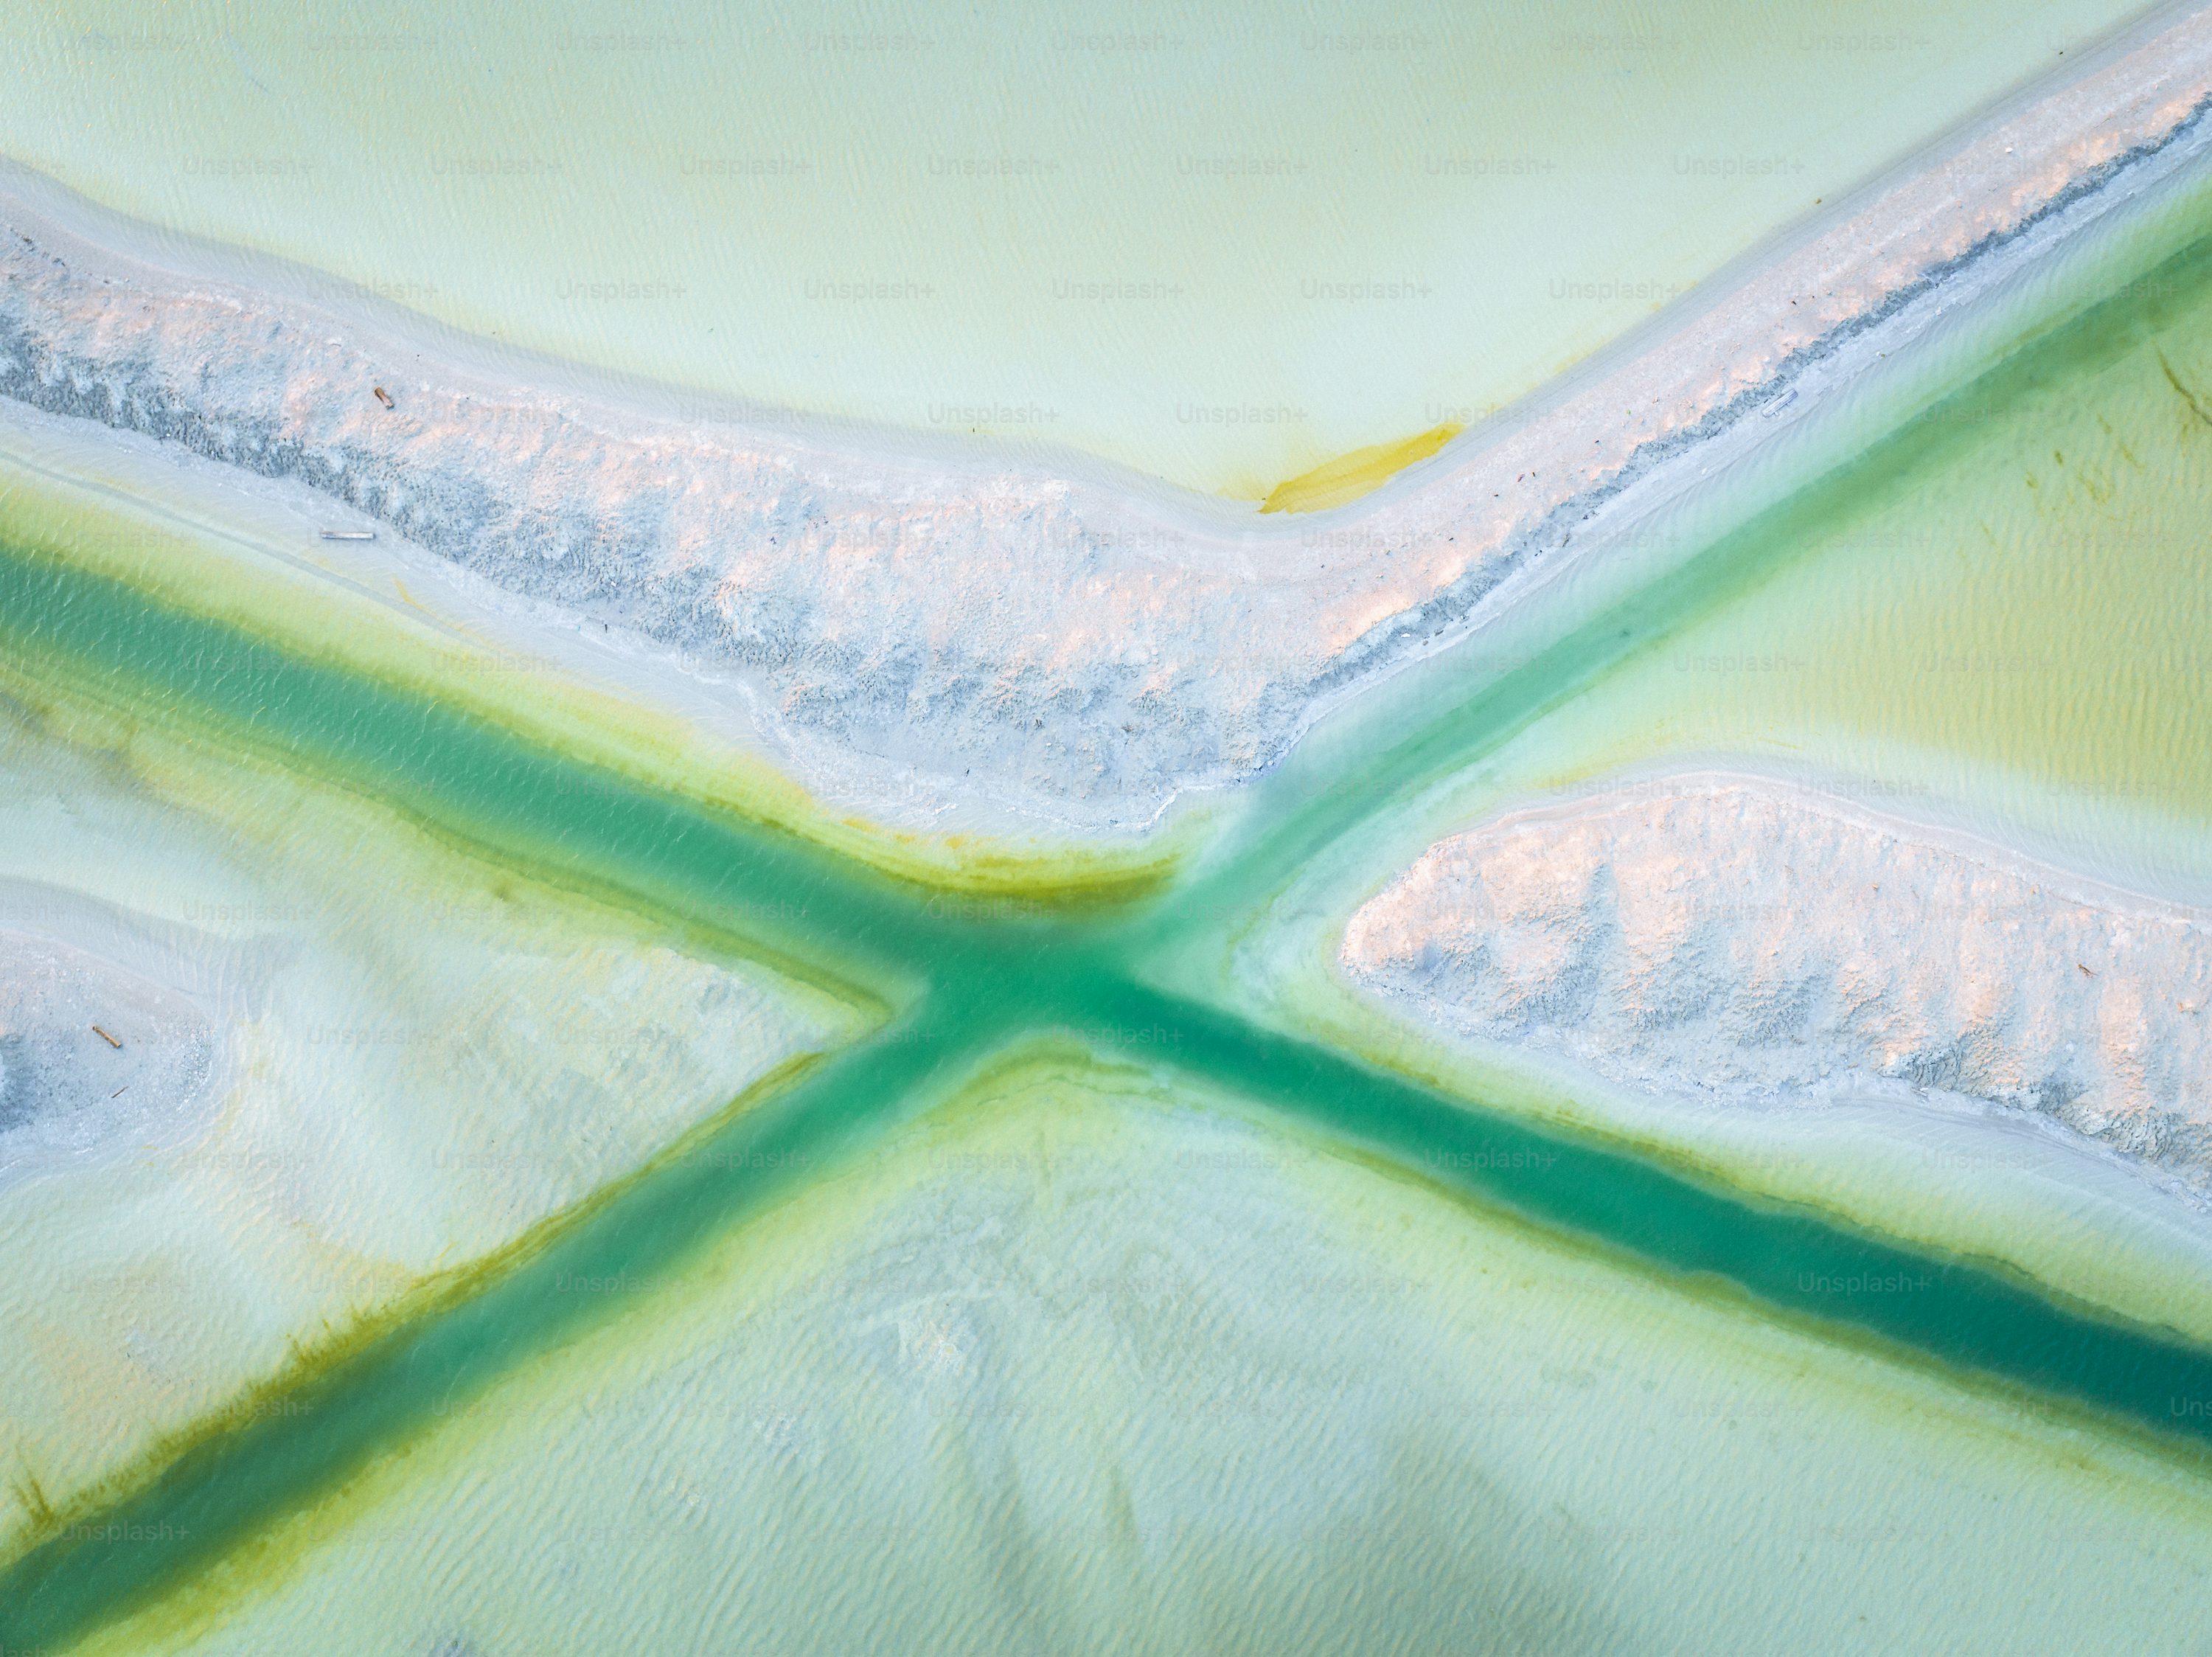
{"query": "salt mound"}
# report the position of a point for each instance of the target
(1740, 941)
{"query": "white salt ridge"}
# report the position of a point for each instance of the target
(1741, 942)
(1072, 645)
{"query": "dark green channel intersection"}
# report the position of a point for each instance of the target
(967, 977)
(962, 979)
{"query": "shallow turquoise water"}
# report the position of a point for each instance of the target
(966, 977)
(990, 979)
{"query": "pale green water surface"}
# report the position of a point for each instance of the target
(1222, 246)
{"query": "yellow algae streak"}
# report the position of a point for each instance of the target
(1348, 476)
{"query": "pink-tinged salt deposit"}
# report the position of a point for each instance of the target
(1747, 941)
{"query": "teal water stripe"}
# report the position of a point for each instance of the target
(223, 1491)
(1801, 1263)
(1001, 985)
(1797, 1259)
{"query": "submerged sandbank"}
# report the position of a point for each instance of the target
(928, 629)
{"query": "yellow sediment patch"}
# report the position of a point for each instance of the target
(1348, 476)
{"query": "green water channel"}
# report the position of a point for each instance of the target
(2156, 688)
(962, 979)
